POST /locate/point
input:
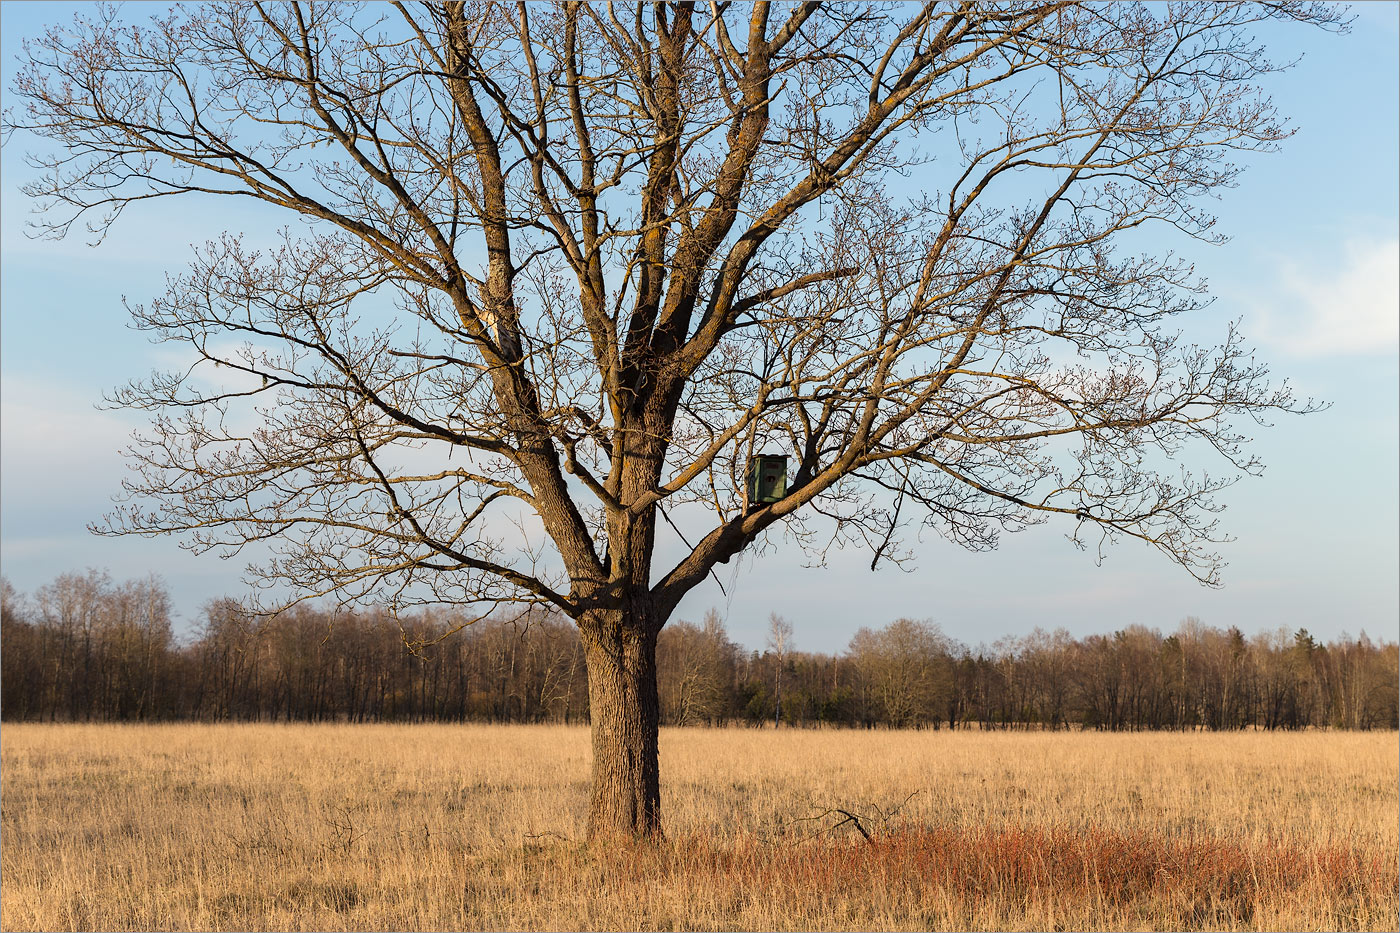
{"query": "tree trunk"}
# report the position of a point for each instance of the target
(626, 713)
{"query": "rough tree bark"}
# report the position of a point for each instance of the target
(625, 797)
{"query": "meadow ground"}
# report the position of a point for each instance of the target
(478, 827)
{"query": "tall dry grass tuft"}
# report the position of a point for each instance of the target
(478, 827)
(939, 878)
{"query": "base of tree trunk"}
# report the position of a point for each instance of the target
(626, 715)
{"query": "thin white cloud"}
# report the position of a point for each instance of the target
(1351, 308)
(54, 441)
(61, 464)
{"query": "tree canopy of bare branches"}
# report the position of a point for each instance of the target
(558, 271)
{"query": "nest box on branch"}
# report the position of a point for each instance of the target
(766, 480)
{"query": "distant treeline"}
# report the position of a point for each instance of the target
(85, 648)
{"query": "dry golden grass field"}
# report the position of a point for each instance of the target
(238, 827)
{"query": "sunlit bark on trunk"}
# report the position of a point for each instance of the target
(625, 798)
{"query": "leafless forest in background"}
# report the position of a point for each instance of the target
(85, 648)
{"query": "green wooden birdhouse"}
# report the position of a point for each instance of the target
(767, 480)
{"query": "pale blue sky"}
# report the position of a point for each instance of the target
(1311, 270)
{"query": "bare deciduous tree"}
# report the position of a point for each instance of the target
(564, 268)
(695, 670)
(904, 667)
(780, 640)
